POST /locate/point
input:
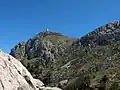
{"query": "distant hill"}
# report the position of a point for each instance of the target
(53, 57)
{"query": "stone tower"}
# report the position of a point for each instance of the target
(46, 30)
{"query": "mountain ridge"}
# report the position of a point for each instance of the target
(55, 57)
(103, 35)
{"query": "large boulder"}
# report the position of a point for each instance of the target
(14, 76)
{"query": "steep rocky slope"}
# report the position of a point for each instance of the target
(88, 63)
(43, 53)
(102, 35)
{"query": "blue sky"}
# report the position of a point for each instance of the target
(22, 19)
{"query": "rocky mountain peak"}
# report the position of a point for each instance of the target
(107, 28)
(47, 32)
(103, 35)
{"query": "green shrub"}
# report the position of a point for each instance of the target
(114, 86)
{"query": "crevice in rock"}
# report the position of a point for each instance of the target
(2, 84)
(29, 81)
(4, 63)
(20, 88)
(11, 74)
(17, 70)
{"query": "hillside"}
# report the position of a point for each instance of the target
(43, 53)
(53, 57)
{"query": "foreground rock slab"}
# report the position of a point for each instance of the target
(14, 76)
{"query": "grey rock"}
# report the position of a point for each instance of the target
(62, 83)
(20, 47)
(102, 35)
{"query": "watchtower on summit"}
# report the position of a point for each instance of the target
(46, 30)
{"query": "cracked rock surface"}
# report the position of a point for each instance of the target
(14, 76)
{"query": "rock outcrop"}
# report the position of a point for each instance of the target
(40, 54)
(14, 76)
(62, 83)
(102, 35)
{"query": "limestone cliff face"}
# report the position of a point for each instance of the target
(14, 76)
